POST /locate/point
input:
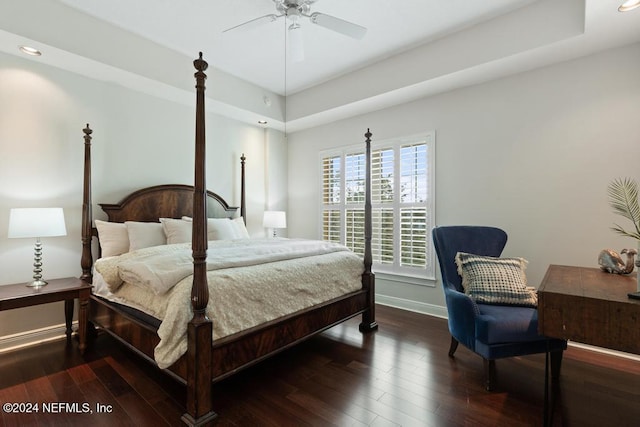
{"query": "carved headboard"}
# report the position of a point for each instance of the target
(164, 201)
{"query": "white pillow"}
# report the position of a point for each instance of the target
(145, 234)
(176, 230)
(220, 229)
(240, 228)
(210, 232)
(224, 228)
(114, 239)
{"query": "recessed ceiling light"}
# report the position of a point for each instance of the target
(629, 5)
(262, 122)
(30, 50)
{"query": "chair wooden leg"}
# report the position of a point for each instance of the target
(453, 347)
(556, 364)
(489, 373)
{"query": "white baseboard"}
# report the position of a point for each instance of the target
(35, 336)
(605, 351)
(416, 306)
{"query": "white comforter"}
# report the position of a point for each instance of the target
(250, 282)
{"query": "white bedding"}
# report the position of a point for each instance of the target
(281, 277)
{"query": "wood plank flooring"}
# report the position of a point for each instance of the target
(398, 376)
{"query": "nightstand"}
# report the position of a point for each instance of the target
(67, 290)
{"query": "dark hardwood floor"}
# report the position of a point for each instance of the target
(400, 375)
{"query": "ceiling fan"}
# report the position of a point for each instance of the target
(293, 11)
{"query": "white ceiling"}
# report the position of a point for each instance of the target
(412, 49)
(258, 55)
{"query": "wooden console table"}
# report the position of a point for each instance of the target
(590, 306)
(67, 290)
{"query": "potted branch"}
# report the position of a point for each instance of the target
(623, 198)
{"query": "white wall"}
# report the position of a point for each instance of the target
(138, 140)
(532, 153)
(276, 173)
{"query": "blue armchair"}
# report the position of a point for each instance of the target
(492, 331)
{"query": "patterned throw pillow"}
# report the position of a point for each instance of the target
(493, 280)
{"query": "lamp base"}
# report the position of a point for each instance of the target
(37, 267)
(37, 283)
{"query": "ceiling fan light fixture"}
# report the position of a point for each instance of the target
(295, 10)
(629, 5)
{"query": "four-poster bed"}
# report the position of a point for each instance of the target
(207, 359)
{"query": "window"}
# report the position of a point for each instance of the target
(402, 199)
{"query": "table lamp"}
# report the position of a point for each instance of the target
(274, 220)
(36, 222)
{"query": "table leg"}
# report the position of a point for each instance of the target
(83, 313)
(546, 389)
(68, 316)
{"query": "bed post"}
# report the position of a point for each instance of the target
(86, 260)
(368, 278)
(243, 203)
(199, 405)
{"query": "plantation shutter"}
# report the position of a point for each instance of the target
(331, 198)
(402, 208)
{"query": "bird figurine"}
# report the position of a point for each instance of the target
(611, 262)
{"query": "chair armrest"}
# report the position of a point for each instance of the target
(462, 312)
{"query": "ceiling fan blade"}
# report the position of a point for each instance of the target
(255, 22)
(338, 25)
(296, 43)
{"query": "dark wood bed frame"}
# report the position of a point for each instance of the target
(208, 361)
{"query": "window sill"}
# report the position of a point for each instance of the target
(402, 278)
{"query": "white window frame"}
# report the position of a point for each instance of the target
(388, 270)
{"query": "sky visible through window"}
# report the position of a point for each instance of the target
(399, 186)
(413, 173)
(413, 170)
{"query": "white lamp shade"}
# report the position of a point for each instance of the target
(36, 222)
(274, 219)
